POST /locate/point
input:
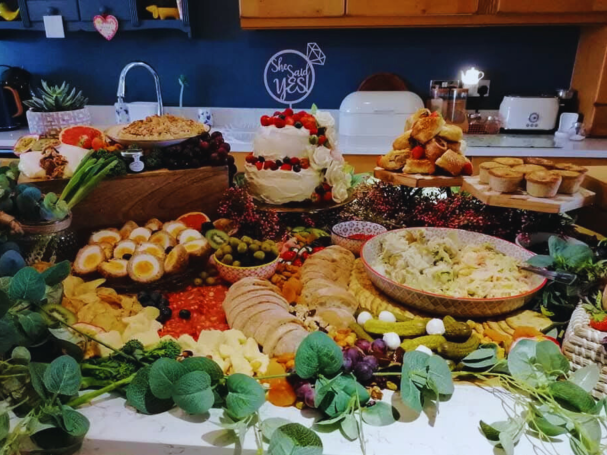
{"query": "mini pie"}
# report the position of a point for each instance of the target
(486, 167)
(505, 180)
(509, 161)
(549, 164)
(571, 181)
(528, 168)
(543, 183)
(570, 167)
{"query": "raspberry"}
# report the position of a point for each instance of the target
(265, 120)
(322, 140)
(290, 121)
(305, 163)
(269, 164)
(294, 160)
(328, 196)
(286, 167)
(326, 186)
(279, 123)
(259, 165)
(251, 159)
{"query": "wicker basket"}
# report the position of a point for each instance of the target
(51, 123)
(582, 346)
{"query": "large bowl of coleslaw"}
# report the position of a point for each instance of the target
(450, 271)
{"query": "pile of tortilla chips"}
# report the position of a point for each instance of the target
(96, 305)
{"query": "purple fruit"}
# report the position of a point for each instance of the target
(354, 353)
(226, 146)
(371, 361)
(218, 140)
(231, 159)
(363, 372)
(309, 398)
(204, 145)
(216, 134)
(303, 389)
(379, 347)
(364, 345)
(349, 364)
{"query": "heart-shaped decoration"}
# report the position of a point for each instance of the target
(107, 26)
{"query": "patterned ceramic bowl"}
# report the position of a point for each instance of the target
(233, 274)
(342, 231)
(445, 305)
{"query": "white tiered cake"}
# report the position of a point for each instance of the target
(295, 159)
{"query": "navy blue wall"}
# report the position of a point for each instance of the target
(225, 64)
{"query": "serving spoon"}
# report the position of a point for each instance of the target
(559, 277)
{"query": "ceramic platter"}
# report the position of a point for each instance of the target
(114, 134)
(442, 304)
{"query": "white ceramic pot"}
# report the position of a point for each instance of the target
(51, 123)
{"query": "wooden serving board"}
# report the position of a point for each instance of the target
(521, 200)
(417, 180)
(161, 194)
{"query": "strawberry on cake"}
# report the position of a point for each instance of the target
(295, 159)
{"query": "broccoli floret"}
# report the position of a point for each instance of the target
(132, 347)
(153, 160)
(167, 348)
(119, 169)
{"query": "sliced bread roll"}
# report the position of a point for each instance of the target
(240, 320)
(275, 321)
(249, 300)
(289, 343)
(274, 338)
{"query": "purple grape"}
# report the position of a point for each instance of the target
(226, 146)
(204, 145)
(349, 364)
(379, 347)
(231, 159)
(216, 134)
(371, 361)
(363, 372)
(354, 353)
(363, 345)
(218, 140)
(309, 398)
(303, 389)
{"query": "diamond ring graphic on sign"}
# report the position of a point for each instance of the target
(289, 75)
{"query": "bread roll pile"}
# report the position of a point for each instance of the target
(428, 146)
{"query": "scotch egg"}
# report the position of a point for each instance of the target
(88, 259)
(140, 235)
(108, 249)
(177, 260)
(197, 248)
(128, 227)
(124, 248)
(174, 228)
(111, 236)
(114, 268)
(145, 268)
(152, 248)
(154, 224)
(189, 235)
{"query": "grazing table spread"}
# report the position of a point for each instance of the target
(308, 310)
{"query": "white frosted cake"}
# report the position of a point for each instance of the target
(295, 159)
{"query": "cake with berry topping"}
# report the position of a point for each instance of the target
(295, 159)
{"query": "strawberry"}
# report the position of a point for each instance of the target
(286, 167)
(290, 121)
(276, 113)
(288, 112)
(328, 196)
(599, 325)
(326, 186)
(295, 161)
(303, 114)
(259, 165)
(251, 159)
(289, 255)
(305, 163)
(598, 314)
(313, 130)
(265, 120)
(315, 197)
(322, 139)
(467, 169)
(417, 153)
(269, 164)
(279, 123)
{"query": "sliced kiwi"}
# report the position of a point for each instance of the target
(217, 238)
(59, 312)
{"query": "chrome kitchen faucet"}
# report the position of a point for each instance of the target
(122, 84)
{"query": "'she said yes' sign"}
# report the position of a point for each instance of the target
(289, 75)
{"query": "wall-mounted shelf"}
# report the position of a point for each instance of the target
(78, 15)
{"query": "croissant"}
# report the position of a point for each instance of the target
(394, 160)
(426, 128)
(421, 113)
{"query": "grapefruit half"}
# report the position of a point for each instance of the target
(80, 136)
(194, 220)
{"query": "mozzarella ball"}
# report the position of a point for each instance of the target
(363, 317)
(435, 327)
(424, 349)
(392, 340)
(386, 316)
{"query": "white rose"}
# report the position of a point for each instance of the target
(340, 192)
(331, 137)
(324, 119)
(336, 174)
(321, 158)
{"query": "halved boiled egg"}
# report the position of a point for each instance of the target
(124, 248)
(177, 260)
(88, 259)
(189, 235)
(154, 224)
(163, 239)
(145, 268)
(111, 236)
(174, 228)
(114, 268)
(108, 249)
(128, 227)
(152, 248)
(197, 248)
(140, 235)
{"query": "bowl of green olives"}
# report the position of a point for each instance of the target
(244, 257)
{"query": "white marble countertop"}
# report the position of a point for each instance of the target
(118, 430)
(239, 126)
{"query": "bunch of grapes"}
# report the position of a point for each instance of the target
(363, 359)
(205, 150)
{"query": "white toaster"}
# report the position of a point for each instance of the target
(530, 113)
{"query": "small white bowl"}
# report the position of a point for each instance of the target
(342, 231)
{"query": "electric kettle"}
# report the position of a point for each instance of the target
(11, 108)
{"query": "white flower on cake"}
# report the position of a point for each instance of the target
(337, 173)
(321, 158)
(325, 120)
(340, 192)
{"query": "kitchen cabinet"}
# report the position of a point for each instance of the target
(91, 8)
(68, 9)
(551, 6)
(300, 8)
(410, 7)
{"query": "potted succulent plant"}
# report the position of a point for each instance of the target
(56, 107)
